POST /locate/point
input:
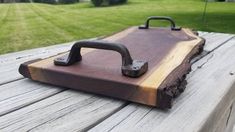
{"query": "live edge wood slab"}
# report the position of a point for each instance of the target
(167, 52)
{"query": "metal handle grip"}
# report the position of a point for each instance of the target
(173, 27)
(130, 67)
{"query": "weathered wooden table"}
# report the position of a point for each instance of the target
(206, 105)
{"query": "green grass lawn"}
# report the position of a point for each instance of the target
(25, 26)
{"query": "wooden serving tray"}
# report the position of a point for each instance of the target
(168, 53)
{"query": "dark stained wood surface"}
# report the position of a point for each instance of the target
(167, 52)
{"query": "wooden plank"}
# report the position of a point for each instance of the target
(32, 53)
(208, 97)
(21, 93)
(168, 54)
(9, 63)
(65, 111)
(43, 52)
(215, 40)
(13, 98)
(202, 33)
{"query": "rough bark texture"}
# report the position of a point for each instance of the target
(175, 83)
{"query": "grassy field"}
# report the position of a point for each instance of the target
(25, 26)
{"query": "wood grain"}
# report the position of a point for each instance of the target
(215, 40)
(209, 96)
(9, 63)
(60, 112)
(21, 93)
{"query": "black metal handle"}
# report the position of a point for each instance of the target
(173, 27)
(130, 67)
